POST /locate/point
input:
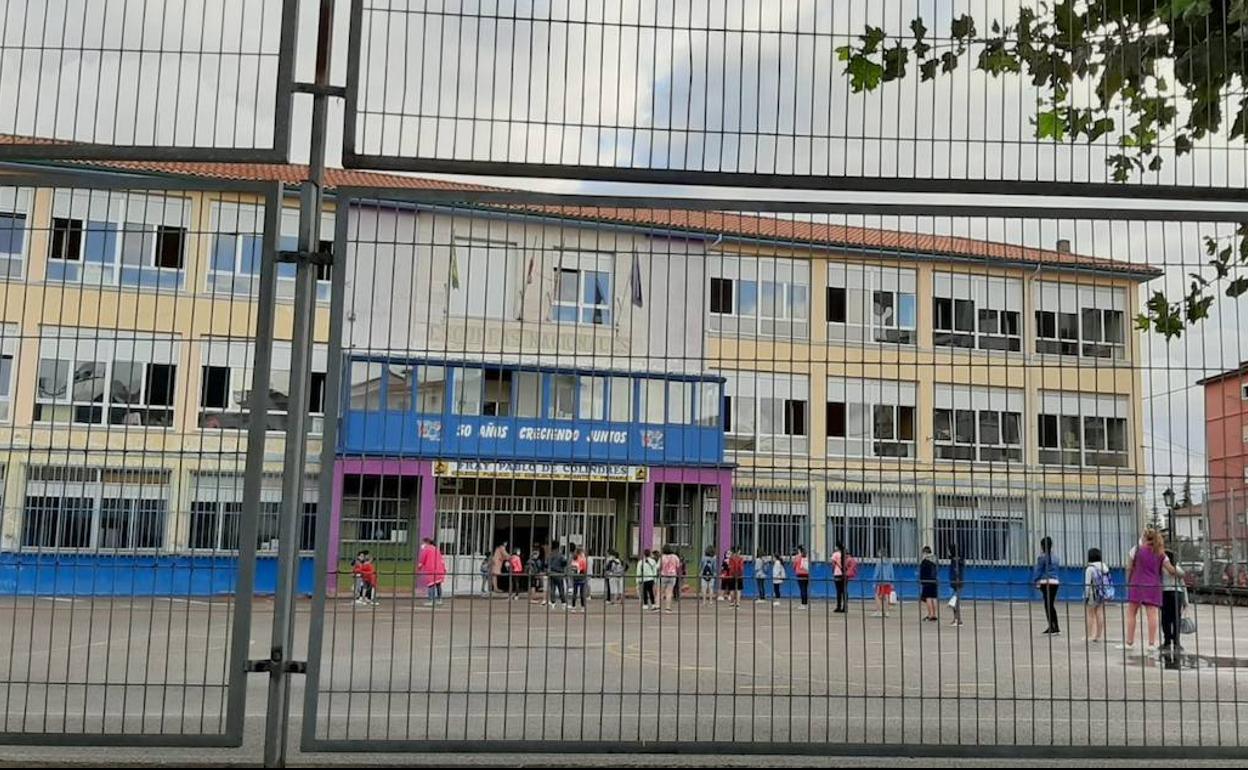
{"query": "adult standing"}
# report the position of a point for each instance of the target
(762, 571)
(736, 570)
(669, 572)
(1173, 597)
(431, 569)
(929, 574)
(957, 576)
(1147, 562)
(497, 560)
(1044, 577)
(615, 577)
(556, 568)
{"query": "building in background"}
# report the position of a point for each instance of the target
(1226, 442)
(604, 378)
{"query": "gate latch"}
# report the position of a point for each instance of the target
(322, 258)
(268, 666)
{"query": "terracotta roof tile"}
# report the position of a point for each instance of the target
(709, 222)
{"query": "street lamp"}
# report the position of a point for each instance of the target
(1169, 499)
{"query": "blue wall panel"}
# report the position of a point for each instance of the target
(29, 574)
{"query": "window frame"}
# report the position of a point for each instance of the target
(106, 405)
(584, 264)
(874, 396)
(119, 228)
(229, 219)
(1084, 301)
(1081, 410)
(784, 295)
(240, 380)
(17, 203)
(949, 302)
(94, 486)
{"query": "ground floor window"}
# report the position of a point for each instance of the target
(985, 529)
(871, 524)
(1113, 526)
(774, 521)
(217, 507)
(102, 509)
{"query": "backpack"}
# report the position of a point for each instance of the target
(851, 567)
(708, 570)
(1102, 586)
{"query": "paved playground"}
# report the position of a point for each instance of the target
(492, 669)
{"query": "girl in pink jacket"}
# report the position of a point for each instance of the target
(431, 570)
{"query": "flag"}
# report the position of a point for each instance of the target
(635, 282)
(454, 268)
(524, 287)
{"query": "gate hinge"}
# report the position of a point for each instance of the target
(266, 666)
(312, 257)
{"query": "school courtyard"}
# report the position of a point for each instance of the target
(482, 669)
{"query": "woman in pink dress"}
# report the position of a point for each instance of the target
(1146, 562)
(431, 570)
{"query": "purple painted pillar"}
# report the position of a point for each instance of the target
(646, 525)
(428, 501)
(335, 527)
(725, 511)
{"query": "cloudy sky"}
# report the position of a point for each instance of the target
(737, 85)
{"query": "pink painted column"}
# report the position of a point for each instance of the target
(646, 513)
(335, 525)
(428, 501)
(725, 511)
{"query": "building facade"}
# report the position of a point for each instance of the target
(605, 378)
(1226, 442)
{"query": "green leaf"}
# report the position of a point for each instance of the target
(1237, 287)
(963, 27)
(1182, 144)
(845, 52)
(871, 39)
(918, 28)
(948, 61)
(1155, 163)
(895, 62)
(928, 69)
(864, 74)
(1050, 125)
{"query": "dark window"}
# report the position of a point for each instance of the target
(989, 427)
(316, 393)
(169, 241)
(836, 419)
(1117, 434)
(1011, 323)
(307, 528)
(160, 378)
(721, 295)
(989, 322)
(905, 427)
(1070, 432)
(942, 428)
(836, 305)
(964, 315)
(964, 426)
(1092, 330)
(794, 418)
(215, 393)
(1068, 326)
(1047, 429)
(203, 525)
(1011, 428)
(1046, 324)
(884, 418)
(1094, 432)
(944, 313)
(67, 239)
(727, 412)
(323, 271)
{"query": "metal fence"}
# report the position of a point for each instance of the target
(755, 471)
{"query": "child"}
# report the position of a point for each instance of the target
(515, 574)
(357, 580)
(883, 584)
(669, 573)
(485, 576)
(367, 573)
(706, 571)
(725, 579)
(762, 571)
(615, 577)
(580, 579)
(432, 570)
(1173, 597)
(777, 578)
(533, 572)
(928, 575)
(647, 572)
(801, 570)
(1096, 591)
(736, 570)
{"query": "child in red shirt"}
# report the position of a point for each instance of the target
(365, 573)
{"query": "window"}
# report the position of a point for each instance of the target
(871, 418)
(651, 408)
(217, 508)
(985, 529)
(497, 393)
(563, 396)
(721, 295)
(238, 247)
(593, 398)
(873, 523)
(468, 390)
(753, 295)
(114, 509)
(1243, 392)
(583, 289)
(528, 387)
(484, 278)
(430, 389)
(105, 380)
(680, 402)
(674, 504)
(1081, 320)
(15, 208)
(709, 403)
(225, 389)
(1077, 525)
(109, 238)
(983, 424)
(621, 397)
(1083, 430)
(868, 303)
(771, 520)
(977, 312)
(766, 412)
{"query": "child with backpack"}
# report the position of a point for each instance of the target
(647, 573)
(515, 574)
(366, 572)
(844, 569)
(707, 573)
(615, 577)
(762, 571)
(1098, 588)
(357, 578)
(533, 573)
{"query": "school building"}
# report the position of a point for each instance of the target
(608, 378)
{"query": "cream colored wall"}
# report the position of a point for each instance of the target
(928, 366)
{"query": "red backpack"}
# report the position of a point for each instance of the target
(850, 568)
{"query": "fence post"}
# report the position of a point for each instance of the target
(311, 199)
